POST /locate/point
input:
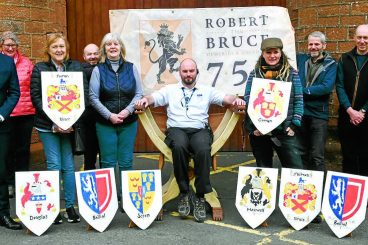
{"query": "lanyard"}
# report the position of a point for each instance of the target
(187, 98)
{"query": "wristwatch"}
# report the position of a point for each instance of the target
(362, 110)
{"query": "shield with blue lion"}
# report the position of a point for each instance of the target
(97, 197)
(142, 195)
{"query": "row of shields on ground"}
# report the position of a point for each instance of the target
(300, 197)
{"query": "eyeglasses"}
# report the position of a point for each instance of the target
(12, 45)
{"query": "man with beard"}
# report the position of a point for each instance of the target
(317, 71)
(352, 92)
(187, 105)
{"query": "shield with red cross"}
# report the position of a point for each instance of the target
(62, 97)
(300, 196)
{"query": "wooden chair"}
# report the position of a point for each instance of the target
(170, 189)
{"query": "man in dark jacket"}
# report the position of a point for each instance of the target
(317, 71)
(9, 96)
(352, 91)
(91, 56)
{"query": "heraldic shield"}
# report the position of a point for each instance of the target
(97, 197)
(344, 202)
(63, 97)
(37, 199)
(268, 103)
(256, 194)
(142, 195)
(300, 196)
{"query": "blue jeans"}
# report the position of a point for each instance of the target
(116, 144)
(59, 157)
(311, 137)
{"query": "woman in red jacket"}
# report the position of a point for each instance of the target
(22, 117)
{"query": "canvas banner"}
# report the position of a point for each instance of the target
(268, 103)
(225, 42)
(300, 196)
(97, 197)
(63, 97)
(344, 202)
(256, 194)
(37, 199)
(142, 195)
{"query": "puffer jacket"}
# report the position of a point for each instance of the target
(42, 121)
(24, 71)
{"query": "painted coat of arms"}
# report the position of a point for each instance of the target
(300, 196)
(344, 202)
(37, 199)
(256, 194)
(268, 103)
(97, 197)
(142, 195)
(63, 97)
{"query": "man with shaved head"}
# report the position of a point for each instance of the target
(91, 56)
(352, 91)
(187, 105)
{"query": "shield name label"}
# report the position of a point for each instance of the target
(142, 195)
(97, 197)
(37, 199)
(300, 196)
(256, 194)
(268, 103)
(344, 202)
(63, 97)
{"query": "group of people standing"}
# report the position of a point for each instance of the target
(112, 88)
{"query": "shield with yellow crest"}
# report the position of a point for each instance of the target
(142, 195)
(63, 97)
(268, 103)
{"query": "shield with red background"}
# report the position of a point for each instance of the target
(142, 195)
(37, 199)
(63, 97)
(268, 103)
(344, 202)
(97, 197)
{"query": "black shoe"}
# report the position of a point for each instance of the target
(71, 215)
(9, 223)
(184, 205)
(58, 220)
(199, 210)
(318, 219)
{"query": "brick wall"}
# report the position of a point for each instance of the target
(30, 20)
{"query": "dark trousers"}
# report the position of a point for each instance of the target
(20, 140)
(354, 145)
(186, 141)
(4, 195)
(285, 147)
(91, 149)
(311, 137)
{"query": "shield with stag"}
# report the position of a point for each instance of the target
(37, 199)
(344, 202)
(256, 194)
(268, 103)
(63, 97)
(142, 195)
(97, 197)
(300, 196)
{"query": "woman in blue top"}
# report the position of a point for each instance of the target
(114, 87)
(273, 64)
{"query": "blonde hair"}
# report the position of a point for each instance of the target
(52, 38)
(108, 38)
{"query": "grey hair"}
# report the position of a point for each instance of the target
(319, 35)
(108, 38)
(9, 35)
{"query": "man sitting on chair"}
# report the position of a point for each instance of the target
(187, 105)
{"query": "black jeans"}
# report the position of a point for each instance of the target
(354, 145)
(186, 141)
(20, 140)
(311, 137)
(285, 147)
(4, 195)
